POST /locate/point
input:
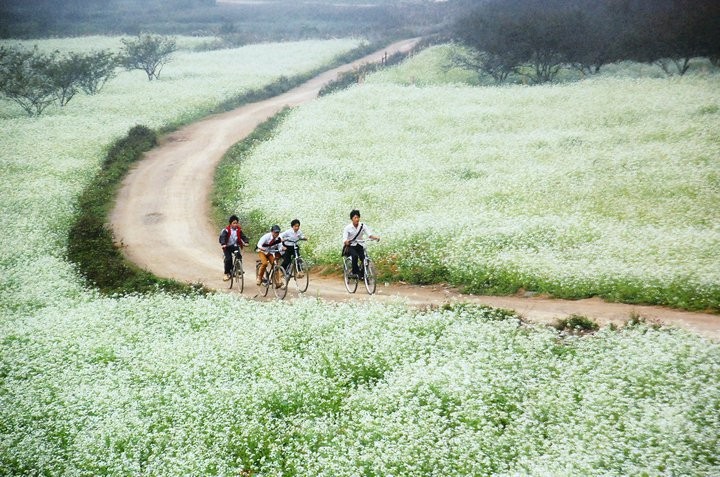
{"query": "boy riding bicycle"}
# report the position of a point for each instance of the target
(232, 239)
(290, 239)
(269, 246)
(352, 233)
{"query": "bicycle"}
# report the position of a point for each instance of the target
(274, 275)
(237, 273)
(297, 270)
(369, 273)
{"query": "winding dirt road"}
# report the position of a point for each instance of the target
(161, 219)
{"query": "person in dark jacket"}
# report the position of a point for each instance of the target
(232, 239)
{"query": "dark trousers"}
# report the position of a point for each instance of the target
(357, 253)
(228, 251)
(288, 256)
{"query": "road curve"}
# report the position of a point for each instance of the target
(161, 219)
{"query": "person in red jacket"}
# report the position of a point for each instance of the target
(232, 239)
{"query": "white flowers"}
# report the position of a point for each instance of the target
(185, 385)
(215, 385)
(605, 180)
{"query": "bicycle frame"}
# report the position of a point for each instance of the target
(296, 268)
(368, 268)
(271, 271)
(237, 273)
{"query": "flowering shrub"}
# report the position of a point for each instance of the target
(602, 187)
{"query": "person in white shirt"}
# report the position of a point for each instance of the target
(290, 239)
(352, 233)
(269, 246)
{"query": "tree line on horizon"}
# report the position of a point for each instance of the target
(536, 38)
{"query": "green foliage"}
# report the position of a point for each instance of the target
(487, 313)
(148, 53)
(35, 80)
(576, 324)
(73, 72)
(96, 68)
(90, 242)
(537, 39)
(26, 78)
(536, 226)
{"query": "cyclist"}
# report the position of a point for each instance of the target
(352, 233)
(231, 239)
(269, 246)
(290, 239)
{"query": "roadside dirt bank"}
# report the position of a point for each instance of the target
(161, 219)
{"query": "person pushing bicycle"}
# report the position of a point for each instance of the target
(352, 233)
(232, 239)
(290, 239)
(269, 246)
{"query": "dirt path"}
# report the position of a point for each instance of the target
(161, 218)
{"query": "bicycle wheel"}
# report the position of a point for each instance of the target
(279, 282)
(301, 275)
(265, 283)
(350, 283)
(370, 276)
(238, 275)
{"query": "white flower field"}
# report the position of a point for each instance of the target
(574, 185)
(604, 187)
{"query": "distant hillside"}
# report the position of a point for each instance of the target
(243, 22)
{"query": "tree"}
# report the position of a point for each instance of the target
(592, 38)
(147, 52)
(35, 80)
(97, 68)
(488, 33)
(542, 36)
(74, 72)
(536, 38)
(524, 36)
(685, 30)
(64, 74)
(25, 79)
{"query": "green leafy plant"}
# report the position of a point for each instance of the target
(577, 324)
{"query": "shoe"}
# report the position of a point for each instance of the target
(301, 274)
(353, 276)
(278, 285)
(258, 282)
(226, 277)
(361, 277)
